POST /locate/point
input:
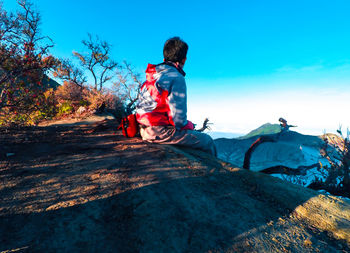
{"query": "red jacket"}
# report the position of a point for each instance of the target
(163, 97)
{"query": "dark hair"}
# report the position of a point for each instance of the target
(175, 50)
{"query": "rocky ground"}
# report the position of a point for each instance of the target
(86, 188)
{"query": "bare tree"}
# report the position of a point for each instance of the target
(128, 85)
(67, 71)
(336, 150)
(24, 59)
(9, 24)
(249, 152)
(279, 169)
(29, 29)
(97, 61)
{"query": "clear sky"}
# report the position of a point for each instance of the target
(249, 61)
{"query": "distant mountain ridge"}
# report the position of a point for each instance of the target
(265, 129)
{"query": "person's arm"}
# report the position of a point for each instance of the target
(178, 102)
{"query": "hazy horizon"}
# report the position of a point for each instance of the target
(229, 135)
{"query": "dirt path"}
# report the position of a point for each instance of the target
(86, 188)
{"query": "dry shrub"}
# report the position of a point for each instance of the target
(105, 98)
(69, 92)
(92, 99)
(95, 98)
(44, 109)
(70, 97)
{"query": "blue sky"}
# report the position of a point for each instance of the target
(249, 62)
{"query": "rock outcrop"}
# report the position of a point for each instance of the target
(88, 189)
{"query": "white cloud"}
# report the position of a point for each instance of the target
(312, 109)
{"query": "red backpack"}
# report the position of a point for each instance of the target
(129, 126)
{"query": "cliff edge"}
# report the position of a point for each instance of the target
(86, 188)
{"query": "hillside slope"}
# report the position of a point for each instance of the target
(86, 189)
(265, 129)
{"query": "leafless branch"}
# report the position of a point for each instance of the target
(248, 154)
(128, 85)
(281, 169)
(206, 125)
(97, 61)
(67, 71)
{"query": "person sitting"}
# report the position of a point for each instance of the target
(162, 104)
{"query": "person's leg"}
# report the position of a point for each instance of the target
(197, 140)
(169, 135)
